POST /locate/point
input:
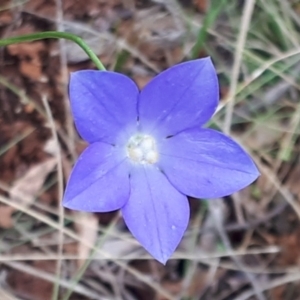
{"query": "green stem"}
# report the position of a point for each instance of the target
(55, 35)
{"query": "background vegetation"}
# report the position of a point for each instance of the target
(246, 246)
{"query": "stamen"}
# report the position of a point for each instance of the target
(142, 149)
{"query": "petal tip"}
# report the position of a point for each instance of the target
(252, 169)
(163, 259)
(255, 173)
(162, 255)
(67, 203)
(207, 58)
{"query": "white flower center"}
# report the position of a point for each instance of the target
(142, 149)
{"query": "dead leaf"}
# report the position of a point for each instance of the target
(6, 17)
(141, 81)
(5, 216)
(201, 5)
(173, 287)
(118, 248)
(26, 189)
(32, 287)
(87, 228)
(31, 62)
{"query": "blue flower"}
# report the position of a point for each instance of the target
(148, 151)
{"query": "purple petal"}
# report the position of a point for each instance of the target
(156, 214)
(99, 181)
(204, 163)
(104, 105)
(181, 97)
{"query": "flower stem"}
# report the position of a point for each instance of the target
(55, 35)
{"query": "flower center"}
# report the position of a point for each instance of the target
(142, 149)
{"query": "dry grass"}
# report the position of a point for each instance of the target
(256, 50)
